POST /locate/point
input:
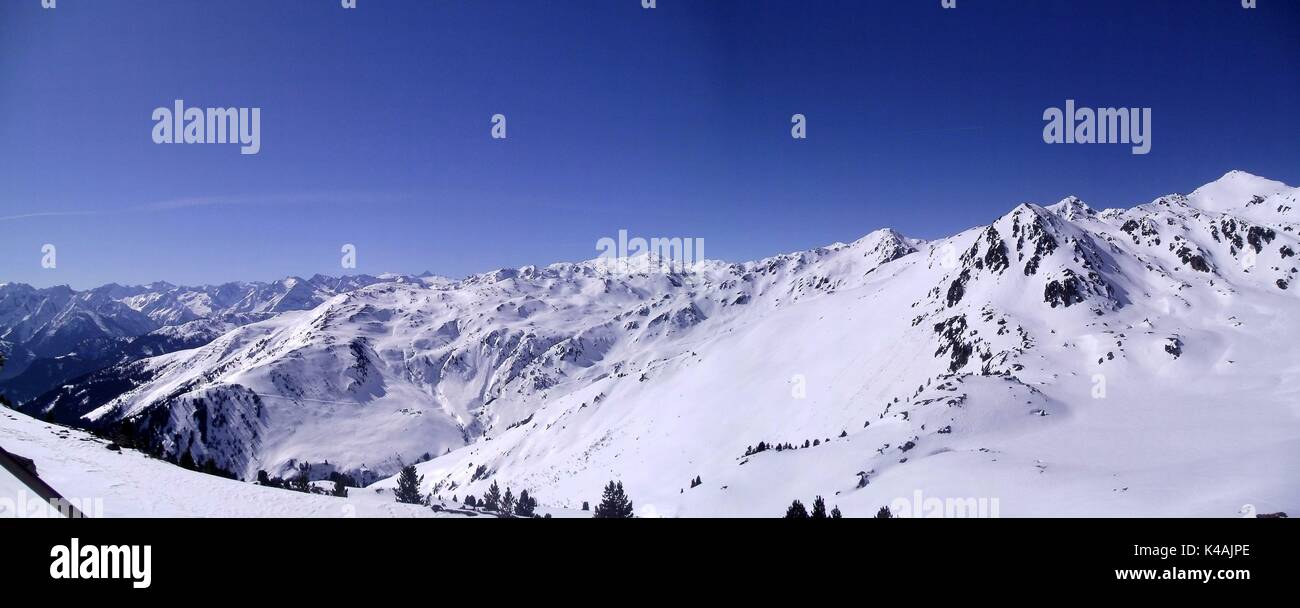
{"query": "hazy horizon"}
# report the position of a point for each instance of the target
(676, 121)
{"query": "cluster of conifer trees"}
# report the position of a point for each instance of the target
(796, 510)
(614, 502)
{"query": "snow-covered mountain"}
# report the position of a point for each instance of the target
(1060, 359)
(54, 334)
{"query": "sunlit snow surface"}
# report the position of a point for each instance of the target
(105, 483)
(1060, 360)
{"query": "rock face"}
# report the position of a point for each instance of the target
(987, 354)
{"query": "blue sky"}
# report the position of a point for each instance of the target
(673, 121)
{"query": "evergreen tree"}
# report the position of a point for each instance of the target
(586, 506)
(796, 511)
(492, 499)
(123, 434)
(408, 486)
(819, 508)
(340, 490)
(527, 505)
(302, 483)
(508, 503)
(211, 468)
(263, 478)
(884, 513)
(835, 513)
(470, 501)
(614, 503)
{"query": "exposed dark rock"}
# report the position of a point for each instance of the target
(1174, 347)
(1063, 292)
(1258, 237)
(955, 292)
(951, 343)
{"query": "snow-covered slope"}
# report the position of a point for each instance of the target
(124, 483)
(55, 334)
(1061, 360)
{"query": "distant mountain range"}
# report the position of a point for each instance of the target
(1062, 359)
(51, 335)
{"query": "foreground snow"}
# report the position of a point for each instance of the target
(128, 484)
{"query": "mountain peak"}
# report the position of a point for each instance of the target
(1238, 174)
(1234, 190)
(872, 239)
(1030, 212)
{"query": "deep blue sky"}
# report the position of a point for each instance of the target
(666, 122)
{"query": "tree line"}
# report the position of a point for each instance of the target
(614, 502)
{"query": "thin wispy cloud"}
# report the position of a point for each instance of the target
(22, 216)
(327, 198)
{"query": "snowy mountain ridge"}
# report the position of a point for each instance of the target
(1062, 359)
(54, 334)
